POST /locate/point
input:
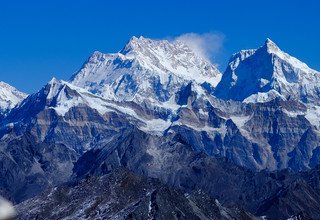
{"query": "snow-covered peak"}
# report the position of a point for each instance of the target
(135, 44)
(165, 57)
(9, 96)
(266, 73)
(273, 49)
(54, 81)
(144, 69)
(271, 46)
(53, 87)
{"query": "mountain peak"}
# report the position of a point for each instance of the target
(133, 43)
(271, 46)
(9, 96)
(266, 73)
(135, 39)
(140, 44)
(54, 80)
(269, 41)
(142, 64)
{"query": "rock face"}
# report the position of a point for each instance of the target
(124, 195)
(28, 167)
(172, 160)
(276, 195)
(152, 108)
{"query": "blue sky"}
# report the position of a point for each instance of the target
(42, 39)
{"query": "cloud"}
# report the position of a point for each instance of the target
(207, 45)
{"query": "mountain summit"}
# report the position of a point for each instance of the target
(266, 73)
(145, 68)
(271, 46)
(9, 97)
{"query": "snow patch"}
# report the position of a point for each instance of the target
(263, 97)
(313, 116)
(240, 121)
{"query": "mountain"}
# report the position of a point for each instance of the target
(192, 110)
(266, 73)
(57, 113)
(152, 109)
(56, 127)
(277, 195)
(9, 97)
(125, 195)
(145, 69)
(44, 135)
(28, 166)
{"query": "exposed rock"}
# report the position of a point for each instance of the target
(124, 195)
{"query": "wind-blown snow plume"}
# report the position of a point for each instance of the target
(207, 45)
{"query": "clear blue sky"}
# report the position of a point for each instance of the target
(42, 39)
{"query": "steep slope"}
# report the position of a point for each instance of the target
(28, 166)
(124, 195)
(9, 97)
(265, 73)
(145, 69)
(277, 195)
(63, 113)
(43, 137)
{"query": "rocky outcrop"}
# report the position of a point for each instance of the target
(124, 195)
(28, 167)
(277, 195)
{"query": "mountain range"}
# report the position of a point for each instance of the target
(247, 139)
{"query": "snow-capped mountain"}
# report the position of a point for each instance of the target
(9, 97)
(151, 109)
(56, 108)
(62, 108)
(266, 73)
(145, 69)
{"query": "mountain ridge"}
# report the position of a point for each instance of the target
(132, 109)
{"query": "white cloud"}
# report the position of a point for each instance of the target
(207, 45)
